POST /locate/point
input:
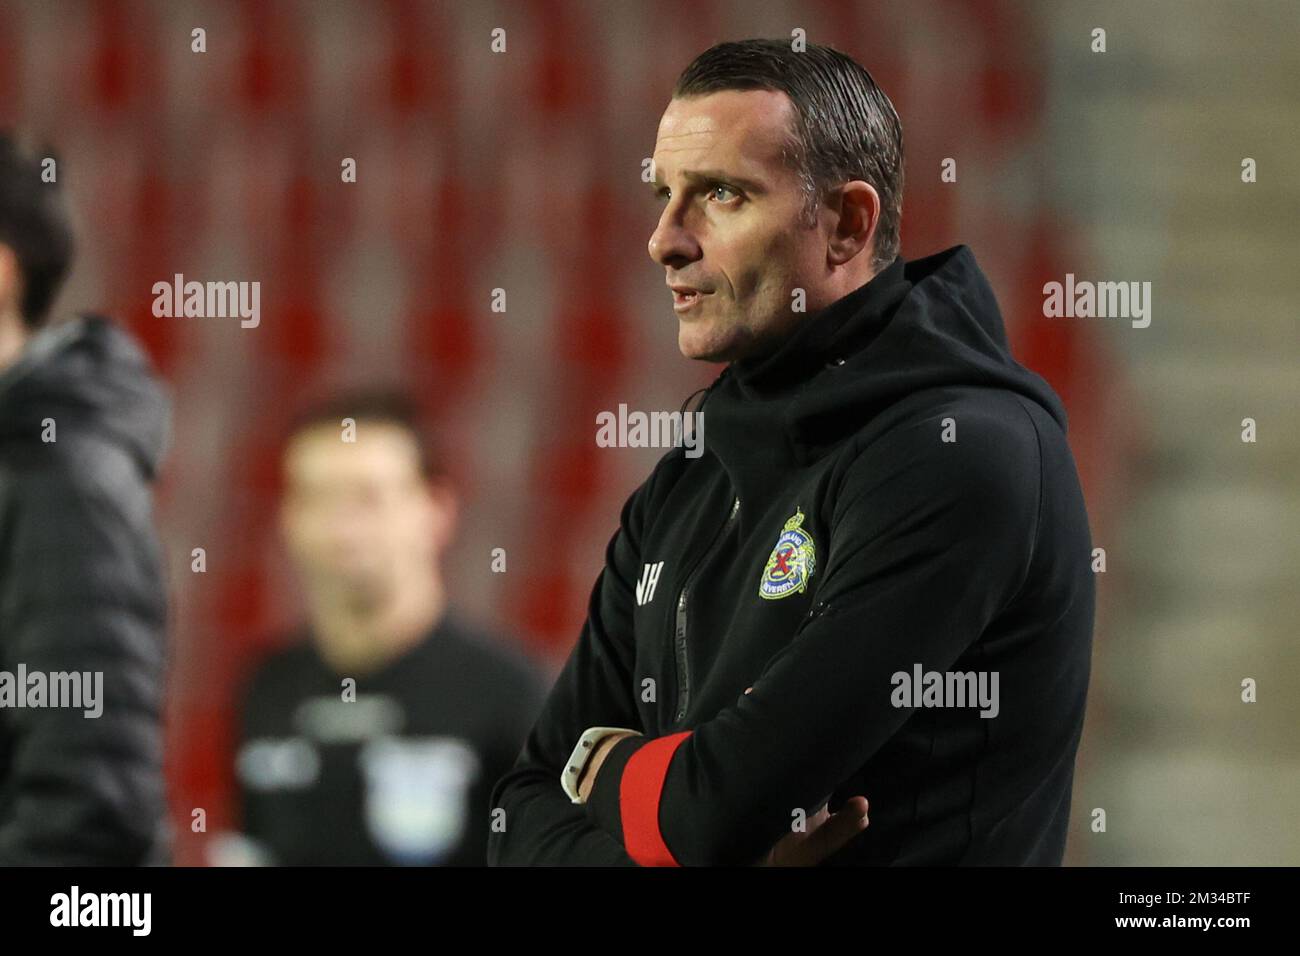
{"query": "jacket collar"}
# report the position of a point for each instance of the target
(847, 324)
(751, 408)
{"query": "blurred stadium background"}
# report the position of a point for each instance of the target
(521, 171)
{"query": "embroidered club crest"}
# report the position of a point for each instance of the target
(791, 563)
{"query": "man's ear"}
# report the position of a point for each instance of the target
(11, 279)
(855, 225)
(445, 512)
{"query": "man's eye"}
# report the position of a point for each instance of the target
(663, 195)
(724, 189)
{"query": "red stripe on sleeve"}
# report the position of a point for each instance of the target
(639, 791)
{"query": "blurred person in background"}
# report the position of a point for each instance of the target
(83, 427)
(375, 737)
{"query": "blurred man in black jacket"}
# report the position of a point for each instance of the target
(375, 736)
(83, 426)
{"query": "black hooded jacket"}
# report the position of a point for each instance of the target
(885, 506)
(81, 590)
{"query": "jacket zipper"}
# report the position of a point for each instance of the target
(683, 673)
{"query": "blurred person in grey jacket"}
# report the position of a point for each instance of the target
(83, 426)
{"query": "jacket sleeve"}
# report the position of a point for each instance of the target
(534, 823)
(928, 542)
(81, 591)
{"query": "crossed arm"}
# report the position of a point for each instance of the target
(919, 564)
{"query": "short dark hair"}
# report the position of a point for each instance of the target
(389, 406)
(846, 128)
(35, 224)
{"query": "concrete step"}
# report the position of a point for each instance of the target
(1223, 542)
(1193, 806)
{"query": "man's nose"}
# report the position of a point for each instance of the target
(671, 244)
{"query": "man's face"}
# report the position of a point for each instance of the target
(731, 225)
(358, 516)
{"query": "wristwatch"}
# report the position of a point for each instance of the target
(582, 754)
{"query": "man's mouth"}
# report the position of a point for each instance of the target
(685, 297)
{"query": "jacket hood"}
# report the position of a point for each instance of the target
(91, 377)
(919, 324)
